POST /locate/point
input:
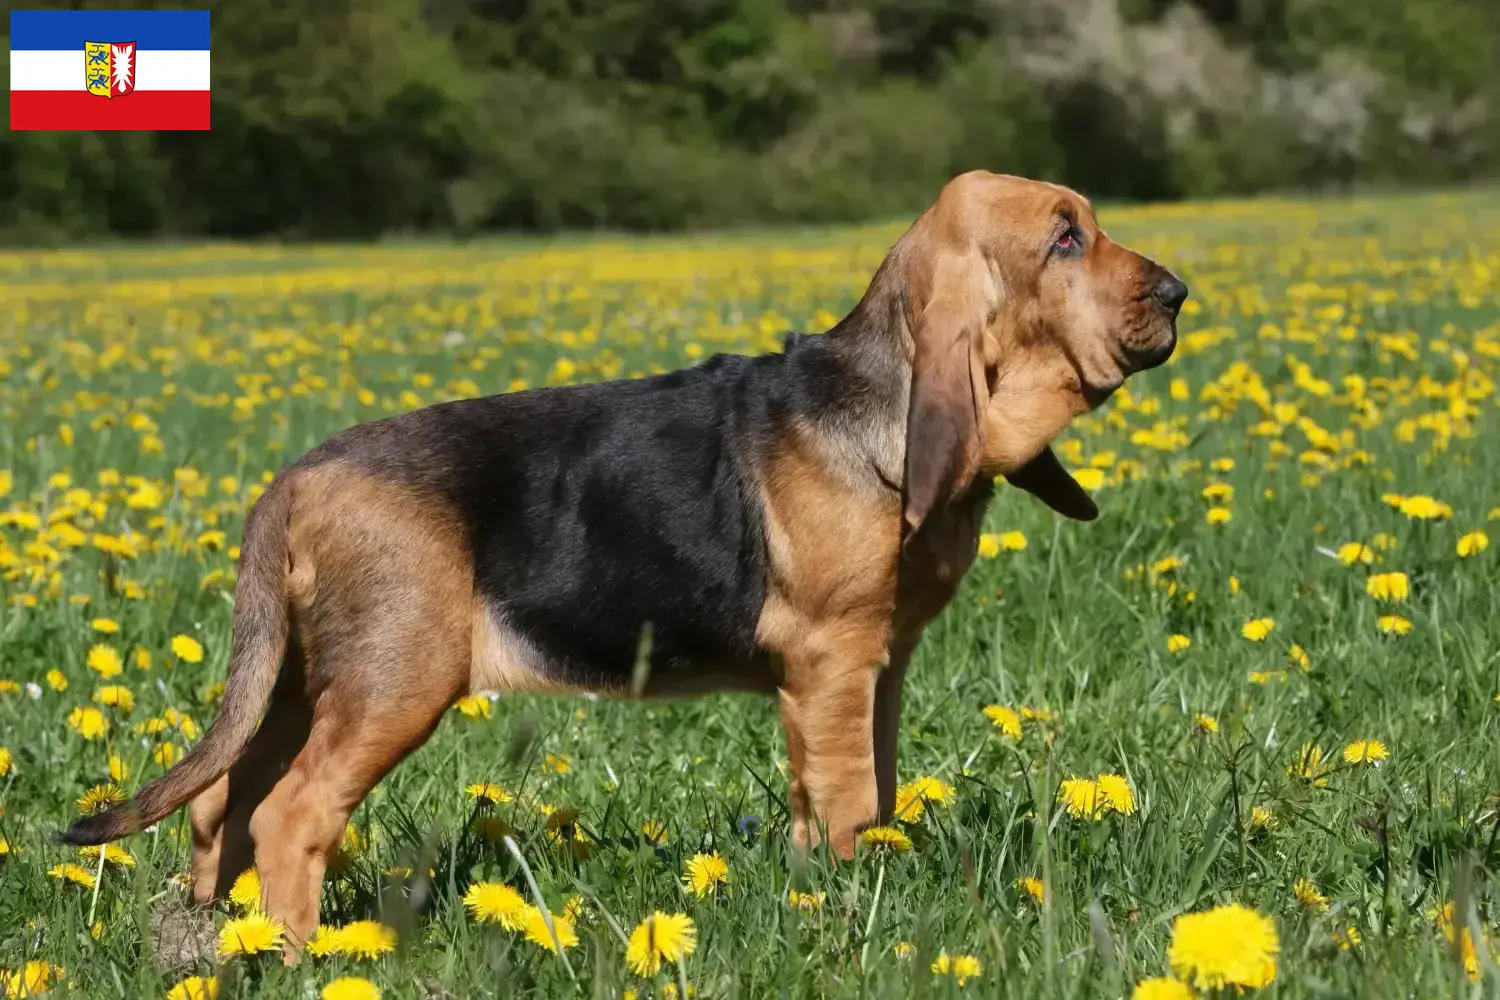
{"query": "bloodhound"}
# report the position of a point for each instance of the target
(785, 524)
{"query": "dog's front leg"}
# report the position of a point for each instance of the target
(888, 726)
(828, 709)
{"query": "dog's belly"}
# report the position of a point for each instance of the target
(506, 660)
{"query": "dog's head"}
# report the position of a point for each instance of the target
(1022, 315)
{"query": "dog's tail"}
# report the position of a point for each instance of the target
(260, 626)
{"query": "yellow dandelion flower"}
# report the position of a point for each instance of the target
(1219, 515)
(187, 649)
(660, 937)
(1264, 676)
(904, 949)
(1081, 798)
(474, 706)
(88, 722)
(114, 854)
(535, 930)
(7, 761)
(1205, 723)
(1166, 565)
(1308, 895)
(654, 831)
(1347, 938)
(1393, 625)
(1031, 714)
(496, 903)
(1178, 643)
(1355, 552)
(885, 838)
(807, 902)
(1013, 541)
(33, 978)
(556, 763)
(1005, 719)
(70, 872)
(961, 967)
(166, 754)
(1089, 479)
(1388, 586)
(106, 626)
(989, 546)
(1262, 818)
(1365, 752)
(1116, 793)
(1298, 656)
(245, 892)
(366, 939)
(325, 941)
(1258, 629)
(250, 935)
(487, 792)
(100, 798)
(704, 873)
(1424, 508)
(57, 680)
(195, 988)
(1229, 945)
(914, 796)
(1472, 544)
(1162, 988)
(350, 988)
(1032, 886)
(105, 661)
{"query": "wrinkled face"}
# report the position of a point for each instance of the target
(1023, 315)
(1112, 311)
(1078, 314)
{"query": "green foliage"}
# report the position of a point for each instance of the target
(356, 117)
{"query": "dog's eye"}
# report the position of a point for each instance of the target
(1068, 243)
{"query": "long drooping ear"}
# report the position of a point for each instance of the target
(1045, 478)
(945, 415)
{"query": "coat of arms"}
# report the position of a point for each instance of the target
(109, 68)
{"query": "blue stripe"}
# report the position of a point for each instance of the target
(55, 30)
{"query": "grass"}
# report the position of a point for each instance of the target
(1335, 354)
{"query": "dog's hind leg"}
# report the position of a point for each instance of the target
(385, 624)
(220, 815)
(299, 825)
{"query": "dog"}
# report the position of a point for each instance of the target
(786, 524)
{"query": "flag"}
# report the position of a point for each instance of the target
(109, 69)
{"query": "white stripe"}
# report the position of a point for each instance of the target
(156, 69)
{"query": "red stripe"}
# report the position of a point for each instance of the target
(147, 110)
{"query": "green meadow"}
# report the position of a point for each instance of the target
(1264, 679)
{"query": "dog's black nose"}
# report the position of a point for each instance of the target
(1171, 293)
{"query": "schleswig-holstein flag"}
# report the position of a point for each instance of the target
(109, 69)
